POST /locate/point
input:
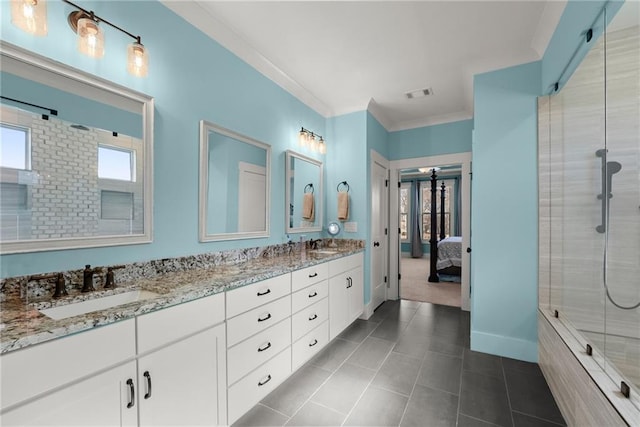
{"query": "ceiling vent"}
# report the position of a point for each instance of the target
(419, 93)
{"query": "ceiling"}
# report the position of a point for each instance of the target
(339, 57)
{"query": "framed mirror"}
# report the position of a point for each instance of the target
(304, 193)
(235, 180)
(76, 167)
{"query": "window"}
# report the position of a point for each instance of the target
(405, 206)
(426, 207)
(15, 150)
(116, 163)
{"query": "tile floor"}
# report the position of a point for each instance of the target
(409, 365)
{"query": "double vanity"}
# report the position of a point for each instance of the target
(201, 347)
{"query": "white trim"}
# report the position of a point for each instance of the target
(376, 157)
(113, 94)
(203, 180)
(367, 312)
(430, 121)
(394, 247)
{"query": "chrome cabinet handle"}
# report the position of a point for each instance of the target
(262, 319)
(264, 293)
(147, 375)
(261, 383)
(266, 347)
(132, 390)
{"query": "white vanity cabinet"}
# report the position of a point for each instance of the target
(346, 287)
(181, 364)
(84, 379)
(258, 340)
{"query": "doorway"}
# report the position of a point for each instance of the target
(410, 272)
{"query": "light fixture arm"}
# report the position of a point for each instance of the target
(312, 134)
(97, 18)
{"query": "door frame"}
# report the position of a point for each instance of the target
(395, 166)
(374, 158)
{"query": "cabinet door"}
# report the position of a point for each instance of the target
(338, 304)
(184, 383)
(105, 399)
(356, 294)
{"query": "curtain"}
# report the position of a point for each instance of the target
(458, 207)
(416, 215)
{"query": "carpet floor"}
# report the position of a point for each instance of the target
(415, 286)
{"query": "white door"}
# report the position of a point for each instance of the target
(106, 399)
(183, 384)
(379, 246)
(252, 184)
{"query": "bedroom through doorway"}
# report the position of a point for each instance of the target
(430, 220)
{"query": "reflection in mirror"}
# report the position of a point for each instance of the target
(304, 193)
(234, 185)
(75, 169)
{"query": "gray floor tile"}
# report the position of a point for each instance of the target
(445, 346)
(430, 407)
(482, 363)
(466, 421)
(441, 372)
(530, 394)
(289, 396)
(522, 420)
(519, 365)
(333, 355)
(358, 331)
(410, 304)
(412, 345)
(312, 414)
(398, 373)
(389, 330)
(343, 389)
(261, 416)
(485, 397)
(378, 407)
(371, 353)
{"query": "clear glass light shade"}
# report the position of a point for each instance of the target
(90, 38)
(313, 143)
(303, 138)
(322, 146)
(137, 60)
(30, 16)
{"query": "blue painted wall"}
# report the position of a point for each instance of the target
(188, 85)
(446, 138)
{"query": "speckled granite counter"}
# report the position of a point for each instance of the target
(21, 324)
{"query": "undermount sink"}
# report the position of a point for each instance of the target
(324, 252)
(96, 304)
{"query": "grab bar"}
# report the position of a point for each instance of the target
(608, 170)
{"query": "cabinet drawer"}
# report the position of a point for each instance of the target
(40, 368)
(253, 352)
(308, 276)
(310, 344)
(309, 318)
(251, 296)
(260, 382)
(344, 264)
(257, 320)
(170, 324)
(305, 297)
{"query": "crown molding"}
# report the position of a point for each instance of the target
(431, 121)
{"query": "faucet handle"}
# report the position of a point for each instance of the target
(110, 280)
(61, 288)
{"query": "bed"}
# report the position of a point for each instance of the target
(449, 260)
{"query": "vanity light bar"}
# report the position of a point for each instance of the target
(307, 138)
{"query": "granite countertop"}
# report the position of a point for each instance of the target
(21, 324)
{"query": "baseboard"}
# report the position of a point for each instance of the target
(367, 312)
(500, 345)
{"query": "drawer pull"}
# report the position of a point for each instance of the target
(262, 319)
(314, 317)
(132, 389)
(260, 294)
(313, 275)
(314, 294)
(314, 342)
(349, 282)
(261, 383)
(266, 347)
(147, 375)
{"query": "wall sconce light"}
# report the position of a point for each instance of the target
(30, 16)
(307, 139)
(91, 39)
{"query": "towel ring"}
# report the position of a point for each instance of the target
(342, 183)
(308, 186)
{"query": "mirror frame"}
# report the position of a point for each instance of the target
(205, 128)
(32, 59)
(289, 154)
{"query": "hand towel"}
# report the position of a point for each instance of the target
(343, 206)
(307, 207)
